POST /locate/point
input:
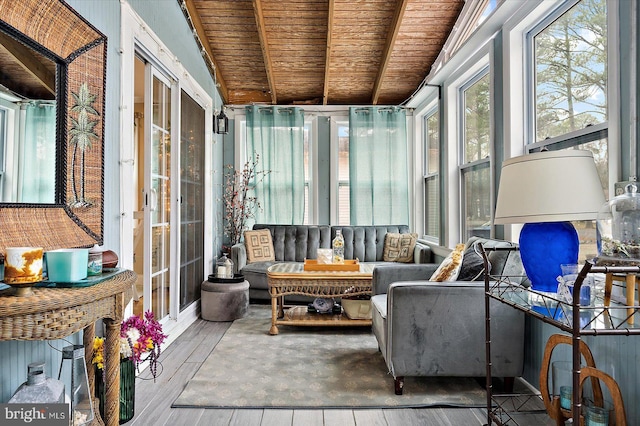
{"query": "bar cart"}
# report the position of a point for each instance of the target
(604, 317)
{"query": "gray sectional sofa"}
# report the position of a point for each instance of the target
(426, 328)
(295, 243)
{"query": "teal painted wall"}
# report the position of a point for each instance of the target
(165, 18)
(616, 355)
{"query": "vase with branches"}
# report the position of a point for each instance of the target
(240, 204)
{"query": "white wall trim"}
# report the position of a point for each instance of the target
(136, 35)
(451, 174)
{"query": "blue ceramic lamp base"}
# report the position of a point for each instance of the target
(544, 247)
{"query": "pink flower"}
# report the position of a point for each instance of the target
(145, 337)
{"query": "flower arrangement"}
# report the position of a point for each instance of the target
(239, 204)
(140, 340)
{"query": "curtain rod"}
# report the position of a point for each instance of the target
(344, 110)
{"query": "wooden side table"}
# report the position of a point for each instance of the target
(54, 313)
(631, 280)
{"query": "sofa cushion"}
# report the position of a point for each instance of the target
(256, 274)
(450, 267)
(501, 262)
(259, 246)
(472, 268)
(399, 247)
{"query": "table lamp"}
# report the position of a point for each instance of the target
(545, 191)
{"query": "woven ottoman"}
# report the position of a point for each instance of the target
(224, 301)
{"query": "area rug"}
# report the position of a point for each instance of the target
(310, 367)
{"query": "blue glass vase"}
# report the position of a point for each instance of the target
(543, 248)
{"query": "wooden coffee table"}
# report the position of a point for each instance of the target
(290, 278)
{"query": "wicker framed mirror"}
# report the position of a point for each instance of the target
(54, 29)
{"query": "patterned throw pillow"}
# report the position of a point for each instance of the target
(399, 247)
(450, 266)
(259, 246)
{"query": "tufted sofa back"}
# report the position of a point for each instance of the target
(366, 243)
(294, 243)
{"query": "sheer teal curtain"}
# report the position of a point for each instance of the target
(37, 158)
(276, 135)
(378, 169)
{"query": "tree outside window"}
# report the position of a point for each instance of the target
(570, 91)
(571, 71)
(476, 193)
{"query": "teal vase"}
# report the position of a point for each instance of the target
(127, 390)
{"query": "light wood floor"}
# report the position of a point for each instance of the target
(183, 358)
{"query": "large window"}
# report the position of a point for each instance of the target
(343, 199)
(570, 61)
(569, 90)
(3, 138)
(474, 163)
(308, 163)
(431, 169)
(308, 188)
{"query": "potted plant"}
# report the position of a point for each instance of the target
(239, 204)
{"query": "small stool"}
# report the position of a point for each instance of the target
(221, 301)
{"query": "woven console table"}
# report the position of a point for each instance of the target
(54, 313)
(291, 278)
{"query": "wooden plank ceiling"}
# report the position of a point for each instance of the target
(25, 72)
(337, 52)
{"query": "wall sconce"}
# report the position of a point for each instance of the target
(73, 371)
(221, 123)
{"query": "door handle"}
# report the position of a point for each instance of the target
(153, 205)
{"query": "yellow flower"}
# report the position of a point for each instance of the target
(98, 351)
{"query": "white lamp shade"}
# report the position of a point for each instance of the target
(550, 186)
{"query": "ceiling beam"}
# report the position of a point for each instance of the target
(26, 59)
(262, 33)
(194, 15)
(388, 48)
(327, 60)
(239, 97)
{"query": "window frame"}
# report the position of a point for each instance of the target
(4, 122)
(577, 136)
(334, 194)
(590, 133)
(476, 165)
(431, 176)
(311, 184)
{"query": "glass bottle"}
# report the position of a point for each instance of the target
(338, 247)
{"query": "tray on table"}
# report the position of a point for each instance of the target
(348, 265)
(85, 282)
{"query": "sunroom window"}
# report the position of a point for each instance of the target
(474, 165)
(431, 175)
(569, 90)
(571, 71)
